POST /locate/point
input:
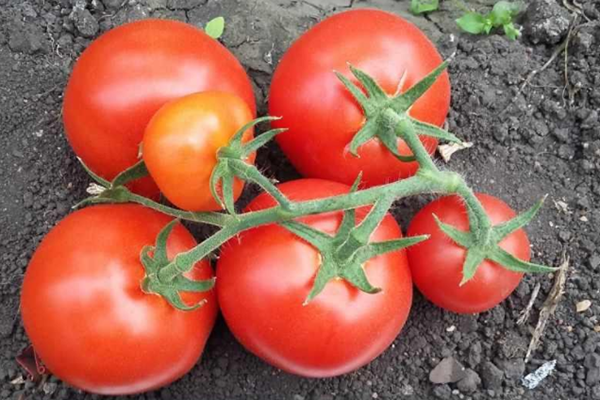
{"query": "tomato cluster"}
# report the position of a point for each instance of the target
(169, 94)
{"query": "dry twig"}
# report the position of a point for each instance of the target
(550, 305)
(527, 311)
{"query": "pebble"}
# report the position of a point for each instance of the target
(470, 382)
(513, 368)
(447, 371)
(491, 375)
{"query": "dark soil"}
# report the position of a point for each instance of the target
(543, 140)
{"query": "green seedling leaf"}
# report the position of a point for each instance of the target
(472, 22)
(422, 6)
(511, 32)
(215, 27)
(504, 12)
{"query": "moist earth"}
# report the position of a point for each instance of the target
(541, 139)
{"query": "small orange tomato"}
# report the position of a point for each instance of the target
(181, 142)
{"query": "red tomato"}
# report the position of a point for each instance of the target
(127, 74)
(266, 273)
(323, 117)
(436, 264)
(181, 144)
(86, 315)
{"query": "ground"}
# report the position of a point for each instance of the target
(543, 139)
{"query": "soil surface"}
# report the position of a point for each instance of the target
(544, 139)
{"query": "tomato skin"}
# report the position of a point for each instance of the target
(266, 273)
(127, 74)
(86, 315)
(436, 264)
(181, 143)
(323, 117)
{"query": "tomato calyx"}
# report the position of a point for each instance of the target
(232, 163)
(345, 254)
(104, 191)
(479, 249)
(378, 106)
(154, 258)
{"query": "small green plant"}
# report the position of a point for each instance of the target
(423, 6)
(502, 15)
(215, 27)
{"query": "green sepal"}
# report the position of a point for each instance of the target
(160, 248)
(462, 238)
(425, 129)
(136, 171)
(100, 180)
(372, 88)
(501, 231)
(473, 259)
(152, 264)
(261, 140)
(357, 93)
(404, 101)
(389, 139)
(324, 275)
(379, 248)
(367, 132)
(184, 284)
(349, 217)
(512, 263)
(313, 236)
(355, 275)
(174, 298)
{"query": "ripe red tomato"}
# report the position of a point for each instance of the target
(127, 74)
(86, 315)
(323, 117)
(266, 273)
(436, 264)
(181, 143)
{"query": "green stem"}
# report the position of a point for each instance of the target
(442, 182)
(212, 218)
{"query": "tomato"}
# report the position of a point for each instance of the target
(181, 143)
(266, 273)
(321, 114)
(127, 74)
(86, 315)
(436, 264)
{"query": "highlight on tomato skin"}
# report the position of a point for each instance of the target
(436, 264)
(181, 143)
(86, 315)
(265, 275)
(126, 75)
(321, 114)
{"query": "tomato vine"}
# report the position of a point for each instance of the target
(387, 120)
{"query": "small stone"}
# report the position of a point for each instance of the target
(592, 361)
(447, 371)
(594, 261)
(592, 376)
(474, 357)
(470, 382)
(513, 368)
(442, 392)
(491, 375)
(562, 134)
(547, 22)
(85, 22)
(583, 305)
(27, 40)
(112, 4)
(183, 4)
